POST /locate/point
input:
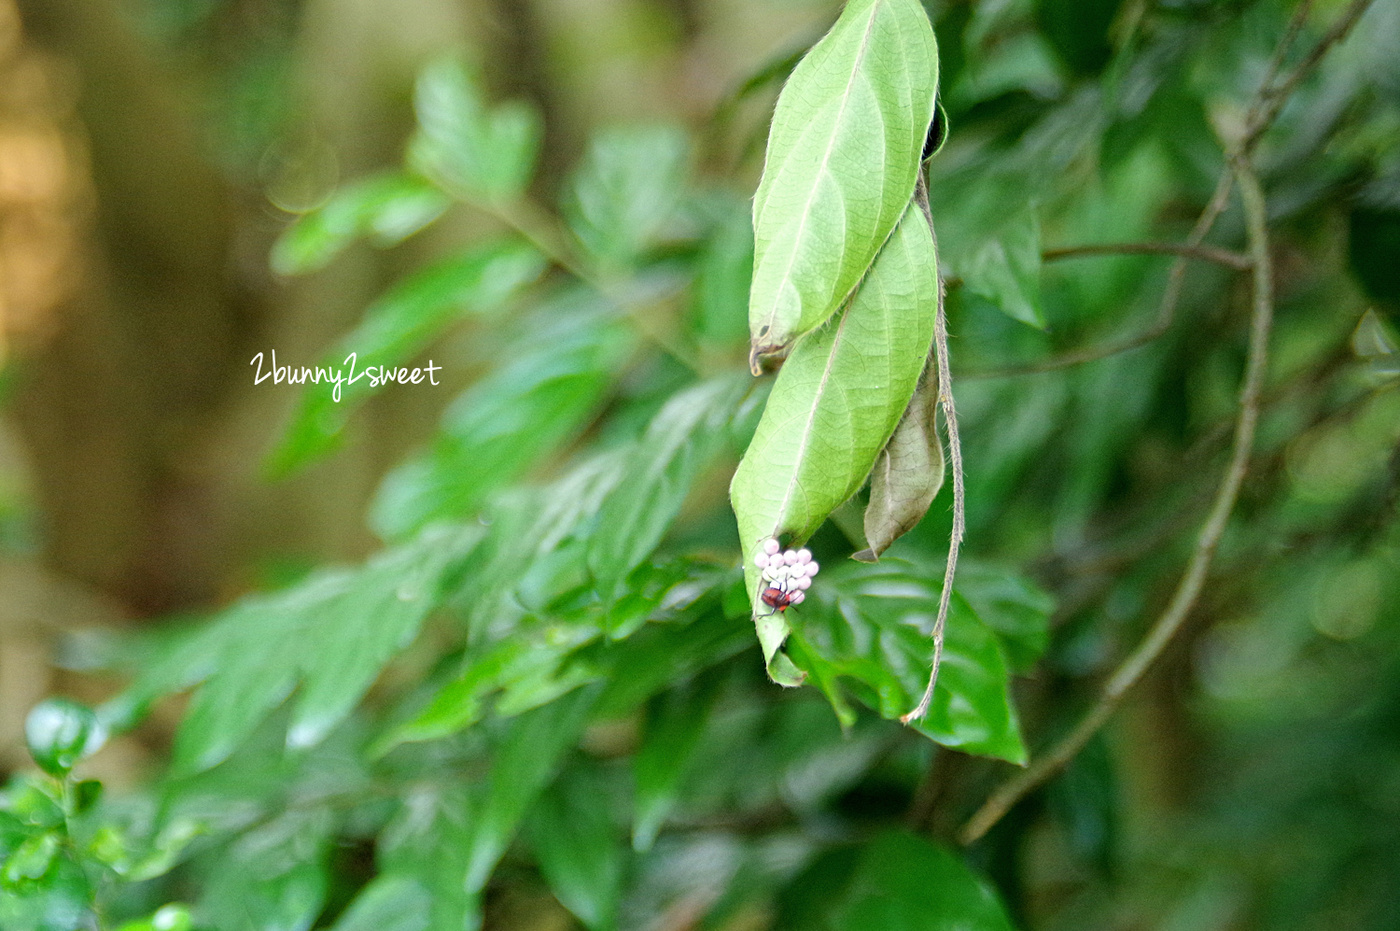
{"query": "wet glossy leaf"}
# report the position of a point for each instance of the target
(1012, 606)
(388, 207)
(907, 474)
(833, 408)
(842, 158)
(864, 631)
(478, 153)
(395, 327)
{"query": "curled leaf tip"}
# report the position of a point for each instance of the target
(755, 361)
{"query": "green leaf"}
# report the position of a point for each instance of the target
(394, 329)
(1006, 270)
(522, 764)
(843, 154)
(867, 626)
(427, 843)
(389, 903)
(32, 859)
(1015, 608)
(245, 896)
(390, 207)
(675, 721)
(907, 474)
(627, 188)
(723, 274)
(483, 155)
(833, 408)
(896, 882)
(165, 918)
(332, 634)
(543, 394)
(576, 844)
(682, 439)
(60, 732)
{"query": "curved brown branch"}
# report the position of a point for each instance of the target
(1188, 590)
(1186, 250)
(1166, 309)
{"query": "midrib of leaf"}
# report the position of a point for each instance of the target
(826, 155)
(807, 430)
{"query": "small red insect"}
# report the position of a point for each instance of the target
(777, 599)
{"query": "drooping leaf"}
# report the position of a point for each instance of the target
(833, 408)
(388, 207)
(394, 328)
(577, 845)
(273, 876)
(627, 188)
(843, 154)
(478, 153)
(864, 631)
(540, 396)
(907, 474)
(681, 440)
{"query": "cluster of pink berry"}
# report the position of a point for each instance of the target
(788, 574)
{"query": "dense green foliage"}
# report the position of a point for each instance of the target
(546, 688)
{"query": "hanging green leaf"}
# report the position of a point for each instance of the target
(1006, 270)
(522, 764)
(833, 408)
(908, 472)
(675, 721)
(843, 155)
(1012, 606)
(389, 903)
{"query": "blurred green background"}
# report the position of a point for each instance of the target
(152, 152)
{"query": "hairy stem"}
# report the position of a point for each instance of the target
(950, 420)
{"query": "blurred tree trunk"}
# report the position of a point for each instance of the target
(139, 356)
